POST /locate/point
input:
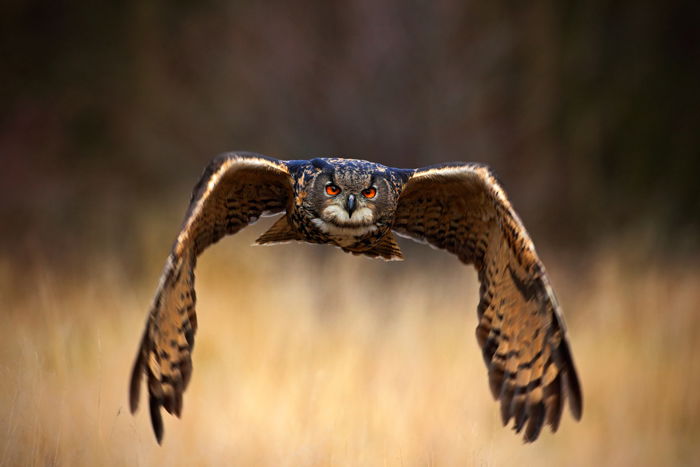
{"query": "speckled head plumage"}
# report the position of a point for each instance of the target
(348, 199)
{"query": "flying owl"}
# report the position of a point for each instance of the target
(358, 206)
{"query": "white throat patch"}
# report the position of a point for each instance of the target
(340, 225)
(361, 217)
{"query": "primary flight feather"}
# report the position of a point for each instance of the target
(358, 206)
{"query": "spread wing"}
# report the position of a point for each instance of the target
(462, 209)
(235, 189)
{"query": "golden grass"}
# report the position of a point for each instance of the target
(307, 356)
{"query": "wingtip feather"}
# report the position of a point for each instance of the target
(575, 396)
(573, 386)
(135, 387)
(136, 375)
(156, 418)
(536, 413)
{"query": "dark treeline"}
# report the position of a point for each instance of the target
(588, 111)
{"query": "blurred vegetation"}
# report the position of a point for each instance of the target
(588, 111)
(301, 362)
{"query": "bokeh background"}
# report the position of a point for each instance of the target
(587, 111)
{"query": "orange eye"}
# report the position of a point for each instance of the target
(369, 192)
(332, 190)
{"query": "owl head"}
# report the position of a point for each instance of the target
(347, 197)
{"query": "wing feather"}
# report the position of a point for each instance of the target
(234, 190)
(461, 208)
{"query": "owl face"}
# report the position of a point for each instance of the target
(350, 199)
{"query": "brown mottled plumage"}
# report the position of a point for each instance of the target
(356, 205)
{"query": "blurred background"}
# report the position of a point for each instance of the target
(587, 111)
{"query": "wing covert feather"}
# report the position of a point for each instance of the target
(461, 208)
(234, 190)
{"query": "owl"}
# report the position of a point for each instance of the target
(359, 207)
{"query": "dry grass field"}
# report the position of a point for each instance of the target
(307, 356)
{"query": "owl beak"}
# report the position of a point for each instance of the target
(350, 206)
